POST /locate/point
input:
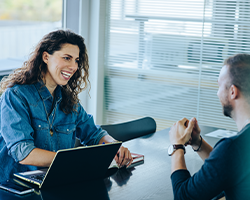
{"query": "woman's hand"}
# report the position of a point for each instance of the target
(123, 157)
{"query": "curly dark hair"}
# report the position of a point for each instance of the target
(239, 72)
(35, 68)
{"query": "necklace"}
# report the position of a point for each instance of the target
(50, 124)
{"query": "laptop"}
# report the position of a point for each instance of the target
(74, 165)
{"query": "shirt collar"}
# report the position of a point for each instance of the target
(44, 92)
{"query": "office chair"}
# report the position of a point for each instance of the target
(129, 130)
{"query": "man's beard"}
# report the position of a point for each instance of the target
(227, 110)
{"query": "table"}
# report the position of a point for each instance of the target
(150, 180)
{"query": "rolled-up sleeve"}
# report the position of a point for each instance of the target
(86, 130)
(21, 150)
(15, 125)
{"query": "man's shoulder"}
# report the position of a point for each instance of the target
(235, 145)
(225, 142)
(224, 149)
(245, 132)
(242, 136)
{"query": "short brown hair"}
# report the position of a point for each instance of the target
(239, 72)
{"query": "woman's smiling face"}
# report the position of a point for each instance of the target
(61, 65)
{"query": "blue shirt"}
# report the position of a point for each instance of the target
(227, 169)
(25, 126)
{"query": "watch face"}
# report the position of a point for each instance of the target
(170, 150)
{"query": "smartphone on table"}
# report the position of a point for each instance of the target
(15, 188)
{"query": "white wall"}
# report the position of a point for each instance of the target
(92, 29)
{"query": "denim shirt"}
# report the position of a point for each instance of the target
(24, 126)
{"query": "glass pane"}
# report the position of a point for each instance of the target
(22, 24)
(163, 58)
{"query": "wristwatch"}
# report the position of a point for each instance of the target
(174, 147)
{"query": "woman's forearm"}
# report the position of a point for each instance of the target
(39, 157)
(106, 139)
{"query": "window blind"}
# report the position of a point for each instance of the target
(163, 58)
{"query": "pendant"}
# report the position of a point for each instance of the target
(51, 132)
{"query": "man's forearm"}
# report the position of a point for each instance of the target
(204, 150)
(178, 160)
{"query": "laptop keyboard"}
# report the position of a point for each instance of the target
(38, 178)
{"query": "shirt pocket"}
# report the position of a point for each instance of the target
(66, 135)
(40, 135)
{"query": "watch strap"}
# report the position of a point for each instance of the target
(178, 146)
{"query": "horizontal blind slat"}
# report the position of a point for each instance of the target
(163, 58)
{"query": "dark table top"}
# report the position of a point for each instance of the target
(150, 180)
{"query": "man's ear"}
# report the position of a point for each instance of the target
(45, 57)
(234, 92)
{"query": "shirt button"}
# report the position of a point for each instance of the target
(39, 126)
(67, 129)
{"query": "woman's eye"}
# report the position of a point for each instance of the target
(77, 61)
(66, 58)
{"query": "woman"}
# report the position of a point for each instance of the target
(40, 109)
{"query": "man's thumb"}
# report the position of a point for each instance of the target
(191, 125)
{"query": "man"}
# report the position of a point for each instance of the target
(226, 167)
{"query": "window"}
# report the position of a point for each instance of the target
(22, 24)
(163, 58)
